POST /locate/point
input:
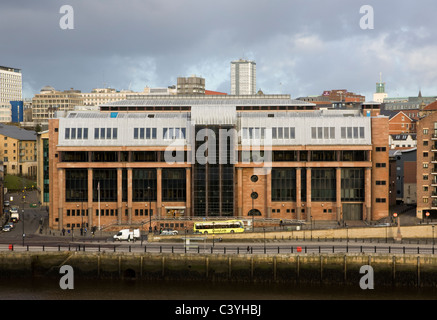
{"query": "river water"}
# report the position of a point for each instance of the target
(49, 289)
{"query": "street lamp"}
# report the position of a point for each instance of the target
(433, 239)
(264, 229)
(311, 220)
(23, 198)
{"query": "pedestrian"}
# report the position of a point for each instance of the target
(248, 249)
(63, 231)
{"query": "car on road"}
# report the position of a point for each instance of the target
(7, 228)
(10, 224)
(6, 203)
(385, 224)
(169, 232)
(14, 210)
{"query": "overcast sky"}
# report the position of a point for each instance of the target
(301, 47)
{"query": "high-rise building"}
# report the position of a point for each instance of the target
(243, 77)
(10, 85)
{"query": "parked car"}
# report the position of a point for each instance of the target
(7, 228)
(169, 232)
(6, 203)
(10, 224)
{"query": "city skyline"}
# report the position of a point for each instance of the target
(300, 49)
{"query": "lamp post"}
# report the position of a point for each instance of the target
(213, 233)
(22, 213)
(433, 238)
(311, 220)
(264, 229)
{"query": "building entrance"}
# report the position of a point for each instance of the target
(352, 211)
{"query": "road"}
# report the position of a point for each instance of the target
(48, 241)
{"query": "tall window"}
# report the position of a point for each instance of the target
(173, 185)
(352, 184)
(283, 184)
(108, 184)
(323, 184)
(76, 185)
(144, 185)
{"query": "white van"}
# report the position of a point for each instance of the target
(126, 234)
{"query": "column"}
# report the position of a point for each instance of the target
(188, 192)
(268, 195)
(61, 190)
(158, 192)
(338, 193)
(240, 192)
(368, 194)
(298, 193)
(90, 197)
(119, 193)
(129, 195)
(308, 208)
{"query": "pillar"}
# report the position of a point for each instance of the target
(129, 195)
(368, 194)
(308, 191)
(90, 197)
(240, 192)
(119, 194)
(268, 193)
(298, 193)
(188, 192)
(158, 192)
(338, 193)
(61, 190)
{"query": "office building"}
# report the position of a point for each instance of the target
(10, 85)
(49, 100)
(243, 77)
(216, 157)
(190, 85)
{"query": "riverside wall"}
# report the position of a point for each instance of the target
(389, 269)
(406, 232)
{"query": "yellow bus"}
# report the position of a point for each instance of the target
(228, 226)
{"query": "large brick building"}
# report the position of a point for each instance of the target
(427, 163)
(223, 156)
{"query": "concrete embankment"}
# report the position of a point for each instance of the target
(389, 270)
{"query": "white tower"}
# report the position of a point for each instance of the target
(243, 77)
